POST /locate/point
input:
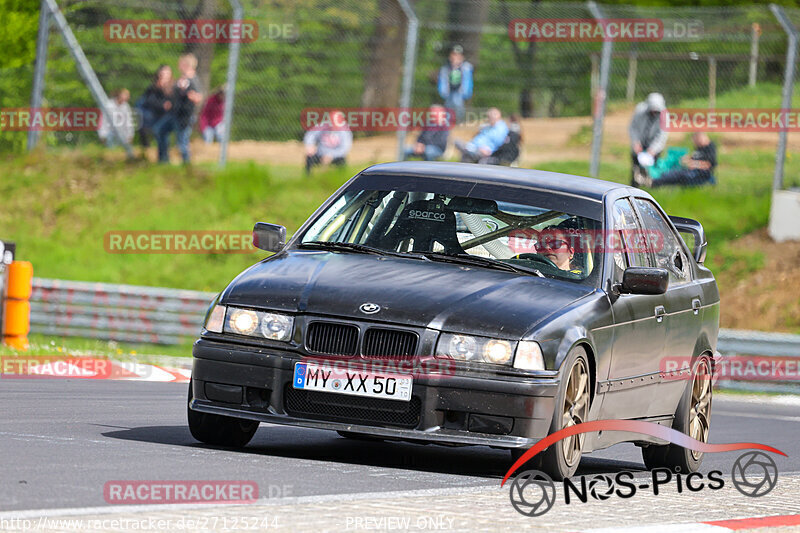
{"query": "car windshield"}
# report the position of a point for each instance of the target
(544, 240)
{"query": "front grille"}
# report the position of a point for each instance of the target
(389, 343)
(352, 409)
(332, 339)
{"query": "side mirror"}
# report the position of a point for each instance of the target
(644, 280)
(269, 237)
(695, 229)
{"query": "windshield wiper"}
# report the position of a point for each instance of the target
(466, 259)
(343, 246)
(358, 248)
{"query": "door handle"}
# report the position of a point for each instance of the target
(696, 306)
(660, 312)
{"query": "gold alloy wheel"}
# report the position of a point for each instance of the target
(700, 412)
(576, 410)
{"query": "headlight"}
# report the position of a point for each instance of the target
(243, 321)
(529, 356)
(497, 352)
(276, 327)
(216, 319)
(273, 326)
(475, 349)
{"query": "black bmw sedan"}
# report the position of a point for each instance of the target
(468, 304)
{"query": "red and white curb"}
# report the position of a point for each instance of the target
(714, 526)
(95, 368)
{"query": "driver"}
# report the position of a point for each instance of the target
(556, 244)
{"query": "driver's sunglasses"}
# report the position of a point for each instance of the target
(550, 245)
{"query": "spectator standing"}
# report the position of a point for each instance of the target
(211, 125)
(180, 118)
(489, 138)
(697, 168)
(121, 116)
(154, 103)
(432, 142)
(455, 82)
(328, 145)
(648, 139)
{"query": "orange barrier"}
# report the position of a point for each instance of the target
(17, 305)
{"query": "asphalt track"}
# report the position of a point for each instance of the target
(62, 440)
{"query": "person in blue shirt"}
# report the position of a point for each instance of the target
(455, 82)
(489, 138)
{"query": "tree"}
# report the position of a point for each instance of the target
(387, 46)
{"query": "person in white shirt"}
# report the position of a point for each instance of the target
(121, 116)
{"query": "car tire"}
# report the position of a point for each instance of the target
(219, 430)
(692, 417)
(561, 459)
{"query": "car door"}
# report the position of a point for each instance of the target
(683, 302)
(639, 331)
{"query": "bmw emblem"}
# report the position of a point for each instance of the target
(369, 308)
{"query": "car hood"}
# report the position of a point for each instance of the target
(441, 296)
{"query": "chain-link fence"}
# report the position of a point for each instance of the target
(351, 54)
(121, 58)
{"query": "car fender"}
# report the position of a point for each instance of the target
(574, 336)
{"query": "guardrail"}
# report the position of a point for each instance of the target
(156, 315)
(125, 313)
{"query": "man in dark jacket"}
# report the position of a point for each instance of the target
(432, 142)
(154, 103)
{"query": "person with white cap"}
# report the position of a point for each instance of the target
(648, 138)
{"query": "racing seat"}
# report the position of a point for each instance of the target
(419, 226)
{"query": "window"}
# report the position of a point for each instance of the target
(626, 243)
(547, 237)
(665, 245)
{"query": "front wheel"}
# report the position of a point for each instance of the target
(693, 417)
(219, 430)
(560, 460)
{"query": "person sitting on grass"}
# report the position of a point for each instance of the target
(509, 150)
(696, 169)
(121, 117)
(489, 138)
(432, 142)
(328, 144)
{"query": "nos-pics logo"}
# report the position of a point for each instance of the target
(533, 493)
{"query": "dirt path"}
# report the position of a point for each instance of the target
(545, 139)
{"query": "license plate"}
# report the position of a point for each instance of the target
(310, 376)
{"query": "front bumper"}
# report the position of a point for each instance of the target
(255, 383)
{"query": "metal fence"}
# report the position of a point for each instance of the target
(385, 53)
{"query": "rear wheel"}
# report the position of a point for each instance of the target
(219, 430)
(693, 417)
(561, 459)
